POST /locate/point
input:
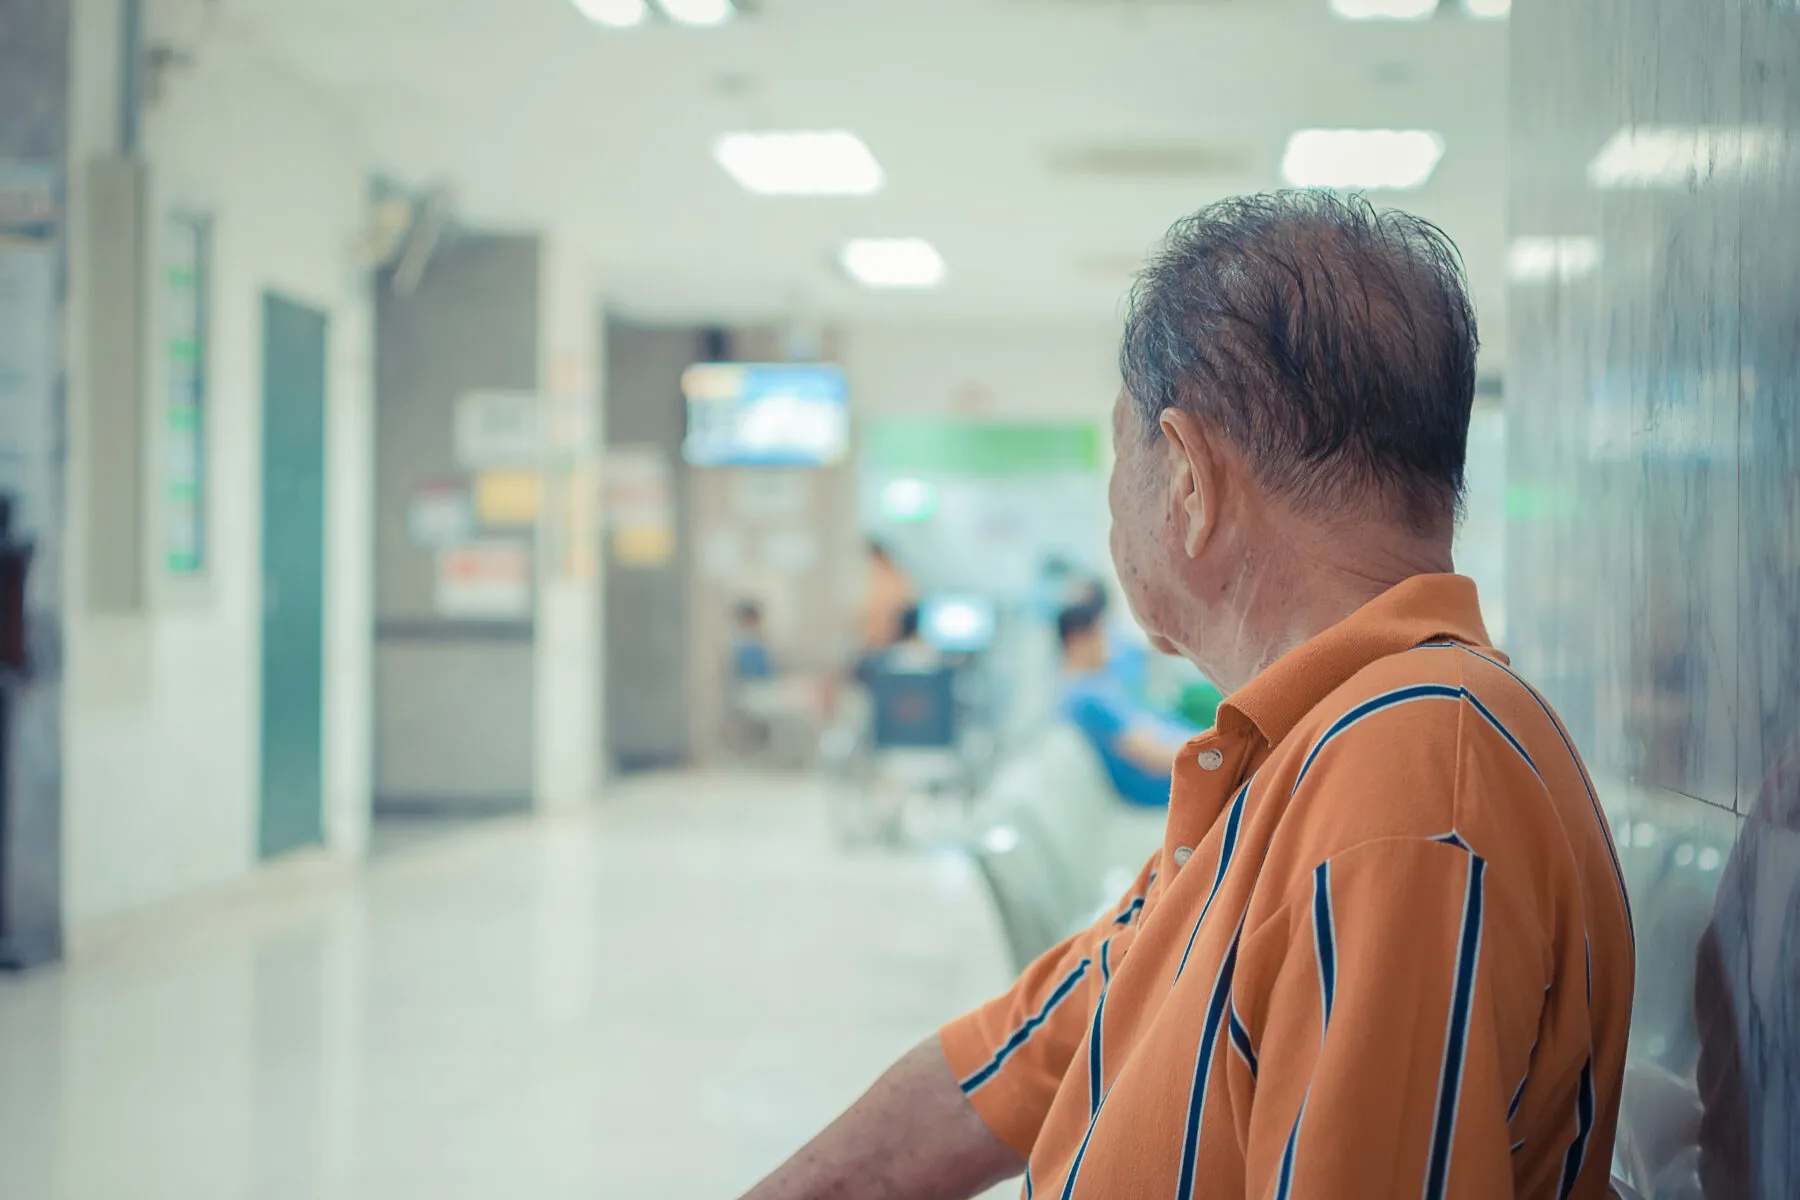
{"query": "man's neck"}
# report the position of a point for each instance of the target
(1299, 585)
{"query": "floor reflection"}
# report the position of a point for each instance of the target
(660, 1000)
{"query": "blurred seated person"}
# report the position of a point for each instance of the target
(752, 703)
(909, 650)
(1136, 744)
(750, 661)
(1127, 656)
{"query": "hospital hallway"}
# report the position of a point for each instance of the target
(578, 576)
(659, 997)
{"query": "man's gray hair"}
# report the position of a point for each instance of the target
(1332, 343)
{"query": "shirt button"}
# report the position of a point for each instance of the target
(1211, 760)
(1182, 854)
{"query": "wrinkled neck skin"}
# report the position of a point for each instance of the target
(1280, 579)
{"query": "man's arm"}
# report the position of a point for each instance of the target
(1114, 724)
(1145, 747)
(960, 1112)
(913, 1135)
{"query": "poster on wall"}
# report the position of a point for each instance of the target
(184, 292)
(486, 580)
(643, 546)
(440, 514)
(498, 429)
(638, 500)
(721, 555)
(506, 499)
(773, 495)
(791, 551)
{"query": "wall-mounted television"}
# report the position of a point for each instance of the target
(766, 414)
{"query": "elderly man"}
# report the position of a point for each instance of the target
(1384, 950)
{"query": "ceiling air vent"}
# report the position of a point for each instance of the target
(1149, 160)
(1136, 5)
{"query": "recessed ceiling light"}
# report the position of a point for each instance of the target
(619, 14)
(1396, 159)
(833, 163)
(698, 12)
(893, 262)
(1487, 10)
(1384, 10)
(1647, 156)
(1543, 259)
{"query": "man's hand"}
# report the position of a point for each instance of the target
(1148, 749)
(913, 1136)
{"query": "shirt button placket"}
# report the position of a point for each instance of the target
(1209, 760)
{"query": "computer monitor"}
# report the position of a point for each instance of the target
(957, 624)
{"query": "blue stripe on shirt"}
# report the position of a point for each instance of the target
(1456, 1033)
(1240, 1041)
(1203, 1069)
(1227, 847)
(1023, 1033)
(1324, 943)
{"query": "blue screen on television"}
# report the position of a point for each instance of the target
(766, 414)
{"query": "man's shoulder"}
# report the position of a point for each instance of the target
(1428, 689)
(1422, 743)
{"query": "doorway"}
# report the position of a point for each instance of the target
(293, 577)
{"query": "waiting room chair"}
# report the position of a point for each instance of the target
(1053, 806)
(1024, 885)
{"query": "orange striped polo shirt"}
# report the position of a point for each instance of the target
(1385, 950)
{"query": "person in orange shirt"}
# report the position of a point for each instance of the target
(889, 592)
(1385, 949)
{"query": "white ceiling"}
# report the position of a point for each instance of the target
(535, 118)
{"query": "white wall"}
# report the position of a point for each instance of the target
(982, 371)
(568, 645)
(161, 788)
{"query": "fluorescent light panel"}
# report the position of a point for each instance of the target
(1384, 10)
(1537, 259)
(697, 12)
(1488, 10)
(893, 262)
(1661, 156)
(832, 163)
(618, 14)
(1390, 159)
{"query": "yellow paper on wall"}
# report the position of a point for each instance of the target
(506, 499)
(643, 545)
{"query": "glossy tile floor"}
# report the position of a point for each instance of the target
(660, 999)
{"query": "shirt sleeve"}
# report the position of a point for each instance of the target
(1366, 1021)
(1010, 1054)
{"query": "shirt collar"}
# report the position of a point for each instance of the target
(1425, 608)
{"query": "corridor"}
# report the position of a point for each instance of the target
(660, 998)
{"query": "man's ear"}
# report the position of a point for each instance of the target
(1195, 480)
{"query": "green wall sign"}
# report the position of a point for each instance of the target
(980, 447)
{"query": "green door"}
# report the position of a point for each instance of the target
(293, 576)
